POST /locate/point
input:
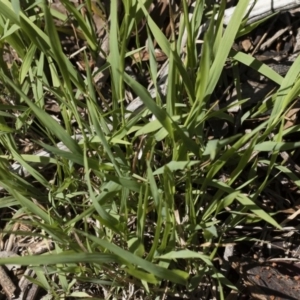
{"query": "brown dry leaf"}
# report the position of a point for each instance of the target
(291, 117)
(144, 56)
(247, 45)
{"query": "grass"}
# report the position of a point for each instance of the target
(144, 201)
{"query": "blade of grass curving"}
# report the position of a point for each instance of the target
(249, 204)
(106, 218)
(108, 191)
(176, 166)
(190, 46)
(227, 156)
(226, 42)
(256, 65)
(46, 119)
(150, 278)
(88, 34)
(223, 203)
(287, 92)
(55, 43)
(243, 199)
(27, 62)
(125, 182)
(13, 182)
(175, 276)
(152, 126)
(95, 122)
(32, 207)
(250, 27)
(294, 178)
(213, 147)
(201, 85)
(245, 158)
(159, 113)
(74, 157)
(243, 161)
(286, 131)
(166, 48)
(36, 159)
(36, 35)
(16, 156)
(8, 202)
(14, 40)
(42, 279)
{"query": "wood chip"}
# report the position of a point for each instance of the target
(7, 284)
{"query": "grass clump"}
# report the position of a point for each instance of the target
(136, 202)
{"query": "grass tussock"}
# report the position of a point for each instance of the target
(135, 202)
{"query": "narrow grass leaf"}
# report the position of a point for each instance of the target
(32, 207)
(249, 204)
(276, 146)
(105, 217)
(165, 46)
(127, 257)
(62, 258)
(150, 278)
(287, 91)
(256, 65)
(186, 254)
(90, 37)
(226, 42)
(175, 166)
(159, 113)
(46, 119)
(97, 126)
(56, 47)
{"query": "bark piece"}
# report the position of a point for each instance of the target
(269, 281)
